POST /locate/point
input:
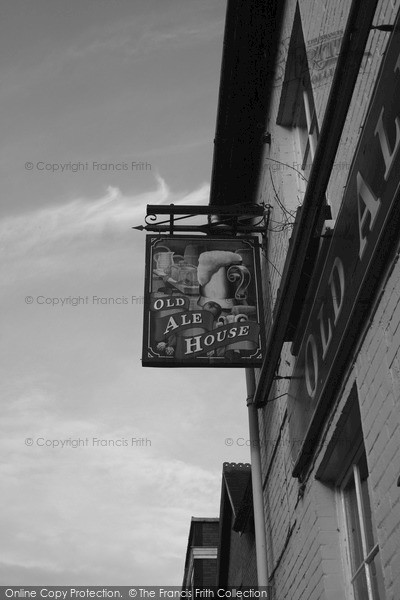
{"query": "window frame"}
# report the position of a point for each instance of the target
(352, 472)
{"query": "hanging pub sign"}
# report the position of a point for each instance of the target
(202, 303)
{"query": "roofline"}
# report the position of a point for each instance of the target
(250, 46)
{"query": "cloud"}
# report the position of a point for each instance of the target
(156, 40)
(91, 514)
(145, 33)
(135, 37)
(80, 234)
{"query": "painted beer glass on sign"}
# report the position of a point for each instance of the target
(202, 302)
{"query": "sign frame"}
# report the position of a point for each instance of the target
(229, 335)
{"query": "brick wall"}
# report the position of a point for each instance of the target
(206, 535)
(204, 572)
(378, 378)
(305, 550)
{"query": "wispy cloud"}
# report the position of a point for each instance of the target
(72, 235)
(134, 41)
(128, 39)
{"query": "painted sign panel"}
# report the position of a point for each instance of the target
(202, 302)
(360, 242)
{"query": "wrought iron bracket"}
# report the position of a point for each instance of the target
(228, 221)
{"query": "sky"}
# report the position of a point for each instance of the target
(89, 86)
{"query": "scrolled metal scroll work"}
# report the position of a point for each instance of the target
(240, 275)
(150, 219)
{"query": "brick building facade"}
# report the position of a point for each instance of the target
(201, 553)
(309, 125)
(221, 552)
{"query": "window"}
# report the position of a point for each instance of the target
(344, 469)
(296, 109)
(362, 548)
(307, 129)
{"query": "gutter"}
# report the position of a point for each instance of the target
(256, 482)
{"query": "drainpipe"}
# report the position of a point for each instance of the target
(256, 480)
